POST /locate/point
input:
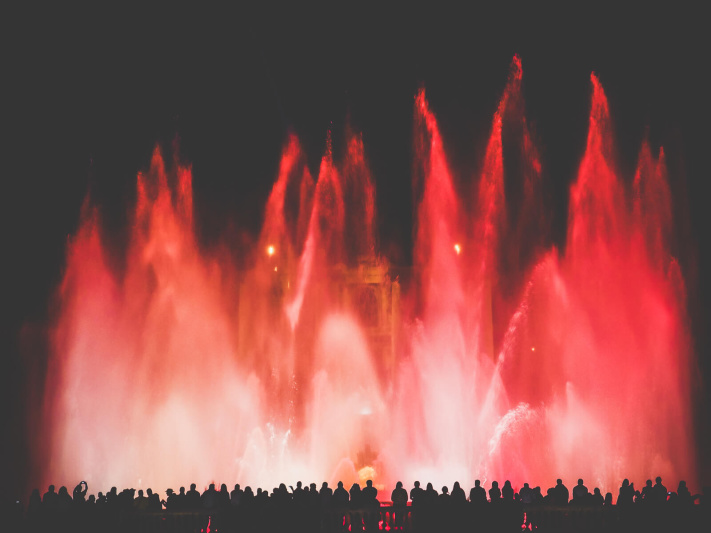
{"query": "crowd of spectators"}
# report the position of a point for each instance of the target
(310, 508)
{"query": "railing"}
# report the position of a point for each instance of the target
(425, 519)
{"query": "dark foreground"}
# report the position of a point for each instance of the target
(469, 518)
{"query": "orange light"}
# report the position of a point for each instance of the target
(275, 269)
(457, 249)
(270, 250)
(533, 348)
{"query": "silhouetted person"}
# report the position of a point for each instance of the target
(340, 495)
(64, 500)
(507, 492)
(171, 502)
(79, 493)
(34, 506)
(281, 496)
(495, 492)
(49, 499)
(399, 499)
(399, 495)
(660, 491)
(580, 492)
(180, 499)
(596, 499)
(126, 498)
(236, 496)
(298, 494)
(626, 495)
(210, 498)
(526, 494)
(549, 498)
(458, 496)
(154, 504)
(356, 495)
(100, 499)
(673, 499)
(370, 494)
(314, 497)
(683, 494)
(326, 494)
(647, 492)
(192, 498)
(444, 507)
(223, 498)
(339, 501)
(416, 493)
(112, 500)
(608, 499)
(431, 495)
(140, 504)
(561, 493)
(477, 495)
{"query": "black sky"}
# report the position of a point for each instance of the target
(88, 94)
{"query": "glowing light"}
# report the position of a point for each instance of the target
(313, 391)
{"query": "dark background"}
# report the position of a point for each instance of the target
(86, 95)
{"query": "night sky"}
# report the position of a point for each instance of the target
(88, 95)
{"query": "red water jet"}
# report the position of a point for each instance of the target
(502, 359)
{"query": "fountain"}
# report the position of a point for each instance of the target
(318, 362)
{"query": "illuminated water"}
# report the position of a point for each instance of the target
(319, 363)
